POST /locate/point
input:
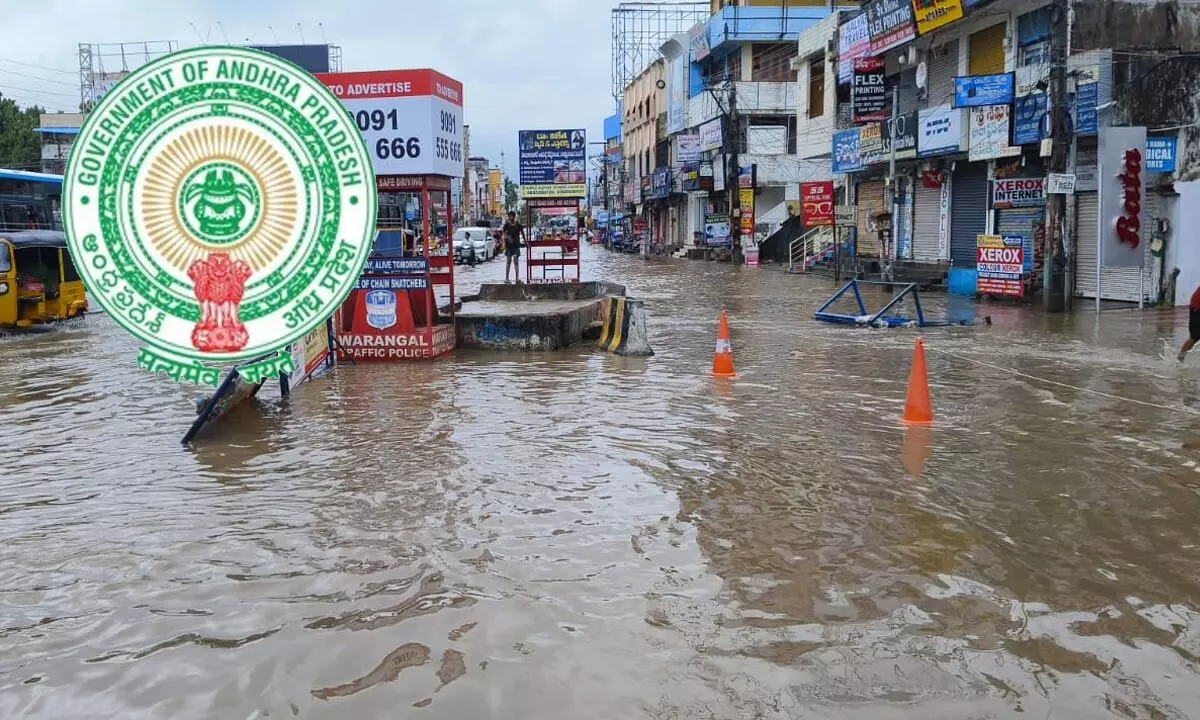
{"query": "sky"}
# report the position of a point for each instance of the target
(524, 64)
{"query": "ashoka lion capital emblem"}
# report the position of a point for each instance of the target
(209, 193)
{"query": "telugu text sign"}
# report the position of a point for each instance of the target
(411, 119)
(981, 90)
(553, 163)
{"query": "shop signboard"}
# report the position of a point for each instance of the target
(1000, 262)
(905, 135)
(846, 214)
(982, 90)
(854, 40)
(988, 134)
(687, 149)
(660, 185)
(1029, 119)
(816, 203)
(553, 163)
(1160, 154)
(939, 131)
(868, 94)
(1018, 192)
(411, 119)
(710, 135)
(933, 14)
(746, 201)
(1122, 195)
(872, 145)
(890, 23)
(1087, 95)
(1060, 184)
(716, 230)
(846, 156)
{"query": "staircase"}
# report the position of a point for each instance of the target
(811, 249)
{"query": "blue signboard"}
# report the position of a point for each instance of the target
(845, 157)
(981, 90)
(417, 282)
(660, 186)
(1160, 154)
(553, 163)
(398, 265)
(1029, 115)
(1086, 97)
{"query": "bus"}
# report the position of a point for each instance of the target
(30, 201)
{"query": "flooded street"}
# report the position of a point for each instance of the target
(582, 535)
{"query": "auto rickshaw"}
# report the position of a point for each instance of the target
(38, 281)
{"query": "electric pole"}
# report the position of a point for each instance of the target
(1054, 259)
(889, 252)
(733, 133)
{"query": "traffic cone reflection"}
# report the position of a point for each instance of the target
(723, 355)
(918, 407)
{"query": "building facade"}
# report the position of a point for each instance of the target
(642, 124)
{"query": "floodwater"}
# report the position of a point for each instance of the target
(579, 535)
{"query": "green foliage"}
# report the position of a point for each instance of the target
(20, 146)
(511, 196)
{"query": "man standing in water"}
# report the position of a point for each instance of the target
(1193, 325)
(513, 233)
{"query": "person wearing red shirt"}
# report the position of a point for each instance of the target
(1193, 325)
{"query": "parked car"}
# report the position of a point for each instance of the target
(480, 238)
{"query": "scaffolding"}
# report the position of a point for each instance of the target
(102, 65)
(639, 29)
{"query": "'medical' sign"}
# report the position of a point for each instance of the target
(411, 119)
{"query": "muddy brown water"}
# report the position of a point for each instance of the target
(587, 536)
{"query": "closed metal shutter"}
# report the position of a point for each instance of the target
(942, 66)
(870, 202)
(1087, 207)
(925, 223)
(1021, 221)
(968, 212)
(986, 51)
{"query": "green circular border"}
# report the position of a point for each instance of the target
(181, 205)
(161, 274)
(77, 244)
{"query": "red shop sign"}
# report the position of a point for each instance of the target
(1129, 225)
(816, 208)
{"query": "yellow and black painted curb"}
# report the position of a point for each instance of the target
(624, 331)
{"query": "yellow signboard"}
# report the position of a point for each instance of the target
(554, 191)
(933, 14)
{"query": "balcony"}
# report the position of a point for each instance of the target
(734, 25)
(753, 98)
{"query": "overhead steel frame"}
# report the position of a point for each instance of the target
(639, 29)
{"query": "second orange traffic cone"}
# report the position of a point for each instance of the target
(723, 355)
(918, 407)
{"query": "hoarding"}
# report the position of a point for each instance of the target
(988, 134)
(1018, 192)
(981, 90)
(868, 94)
(933, 14)
(716, 230)
(1122, 191)
(999, 264)
(1160, 154)
(939, 131)
(890, 23)
(816, 204)
(710, 135)
(854, 40)
(846, 156)
(553, 163)
(1029, 119)
(687, 149)
(411, 119)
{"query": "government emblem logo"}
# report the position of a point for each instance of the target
(219, 204)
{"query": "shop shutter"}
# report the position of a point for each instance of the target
(1087, 207)
(942, 67)
(987, 51)
(925, 223)
(870, 202)
(968, 212)
(1020, 221)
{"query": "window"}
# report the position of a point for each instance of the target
(816, 88)
(5, 262)
(771, 62)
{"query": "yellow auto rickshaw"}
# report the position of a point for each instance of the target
(38, 281)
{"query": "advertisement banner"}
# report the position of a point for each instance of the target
(846, 156)
(1018, 192)
(939, 131)
(746, 200)
(710, 135)
(553, 163)
(981, 90)
(1122, 194)
(906, 135)
(660, 183)
(872, 146)
(1160, 154)
(411, 119)
(1000, 262)
(854, 40)
(1085, 99)
(688, 149)
(1029, 119)
(816, 204)
(890, 23)
(988, 134)
(677, 86)
(868, 95)
(716, 230)
(933, 14)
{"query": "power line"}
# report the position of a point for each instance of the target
(14, 88)
(39, 67)
(40, 79)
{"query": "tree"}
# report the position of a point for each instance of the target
(511, 196)
(19, 144)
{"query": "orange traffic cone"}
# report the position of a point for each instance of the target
(918, 408)
(723, 355)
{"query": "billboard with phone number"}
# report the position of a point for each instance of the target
(553, 163)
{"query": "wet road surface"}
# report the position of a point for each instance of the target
(587, 536)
